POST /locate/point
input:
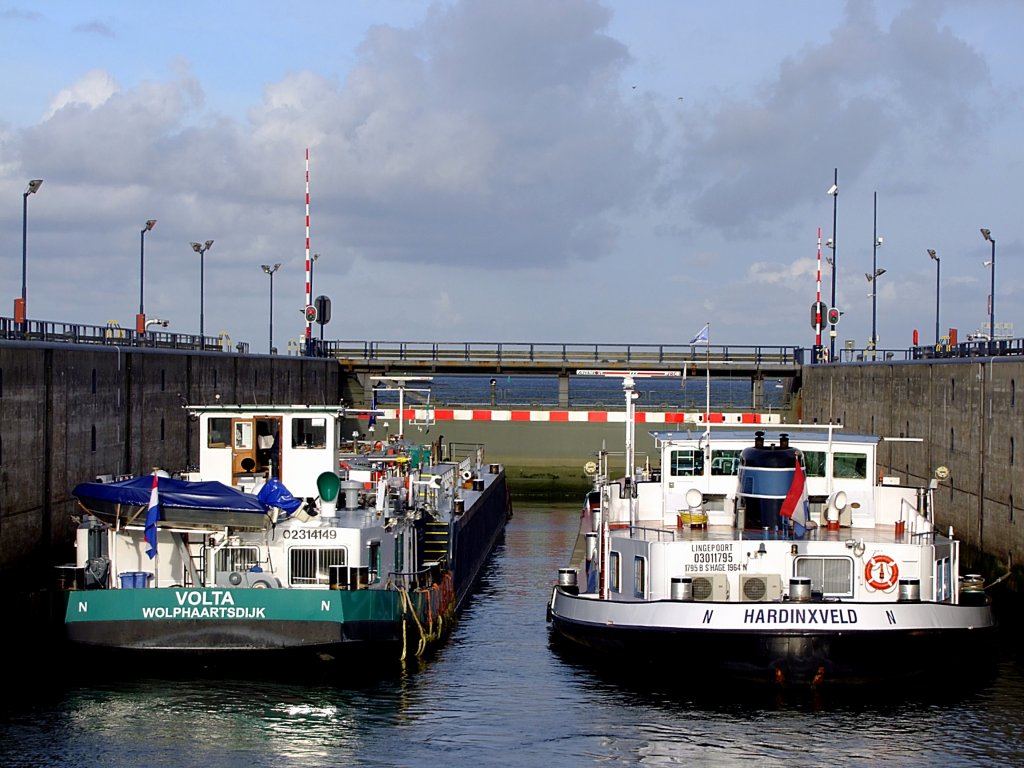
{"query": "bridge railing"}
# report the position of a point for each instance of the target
(669, 356)
(113, 334)
(583, 355)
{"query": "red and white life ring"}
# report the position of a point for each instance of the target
(881, 572)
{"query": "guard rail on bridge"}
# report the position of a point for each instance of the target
(557, 358)
(114, 335)
(524, 357)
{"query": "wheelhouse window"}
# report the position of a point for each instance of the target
(725, 462)
(614, 572)
(218, 432)
(814, 463)
(686, 462)
(850, 465)
(309, 432)
(831, 576)
(311, 566)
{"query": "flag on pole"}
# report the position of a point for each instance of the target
(796, 505)
(701, 337)
(152, 515)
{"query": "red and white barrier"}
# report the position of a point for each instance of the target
(414, 415)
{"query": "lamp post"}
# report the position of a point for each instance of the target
(876, 272)
(140, 320)
(834, 192)
(992, 294)
(931, 252)
(20, 311)
(270, 270)
(201, 250)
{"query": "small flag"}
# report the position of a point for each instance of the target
(701, 337)
(152, 515)
(796, 505)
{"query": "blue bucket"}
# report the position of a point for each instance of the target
(135, 579)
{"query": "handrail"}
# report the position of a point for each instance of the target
(526, 354)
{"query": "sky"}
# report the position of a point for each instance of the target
(527, 171)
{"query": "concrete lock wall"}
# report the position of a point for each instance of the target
(970, 419)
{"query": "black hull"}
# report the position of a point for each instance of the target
(799, 660)
(476, 534)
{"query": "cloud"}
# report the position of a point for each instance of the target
(97, 28)
(864, 98)
(94, 88)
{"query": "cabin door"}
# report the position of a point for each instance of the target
(256, 446)
(243, 446)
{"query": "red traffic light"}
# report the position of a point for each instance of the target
(833, 316)
(310, 313)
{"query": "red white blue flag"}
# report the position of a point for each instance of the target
(796, 501)
(152, 515)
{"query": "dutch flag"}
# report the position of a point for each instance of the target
(152, 515)
(796, 499)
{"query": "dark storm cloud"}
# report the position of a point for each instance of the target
(868, 96)
(494, 134)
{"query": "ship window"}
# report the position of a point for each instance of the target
(814, 463)
(309, 565)
(850, 465)
(640, 576)
(309, 433)
(686, 463)
(613, 571)
(373, 561)
(943, 585)
(831, 576)
(218, 432)
(725, 462)
(237, 558)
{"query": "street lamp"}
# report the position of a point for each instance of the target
(201, 250)
(270, 270)
(20, 310)
(931, 252)
(876, 272)
(140, 320)
(992, 295)
(831, 242)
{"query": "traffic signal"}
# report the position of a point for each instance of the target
(310, 313)
(833, 316)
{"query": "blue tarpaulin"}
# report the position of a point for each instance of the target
(181, 494)
(274, 494)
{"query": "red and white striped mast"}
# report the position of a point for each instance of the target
(309, 264)
(818, 320)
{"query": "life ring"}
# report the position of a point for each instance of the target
(881, 572)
